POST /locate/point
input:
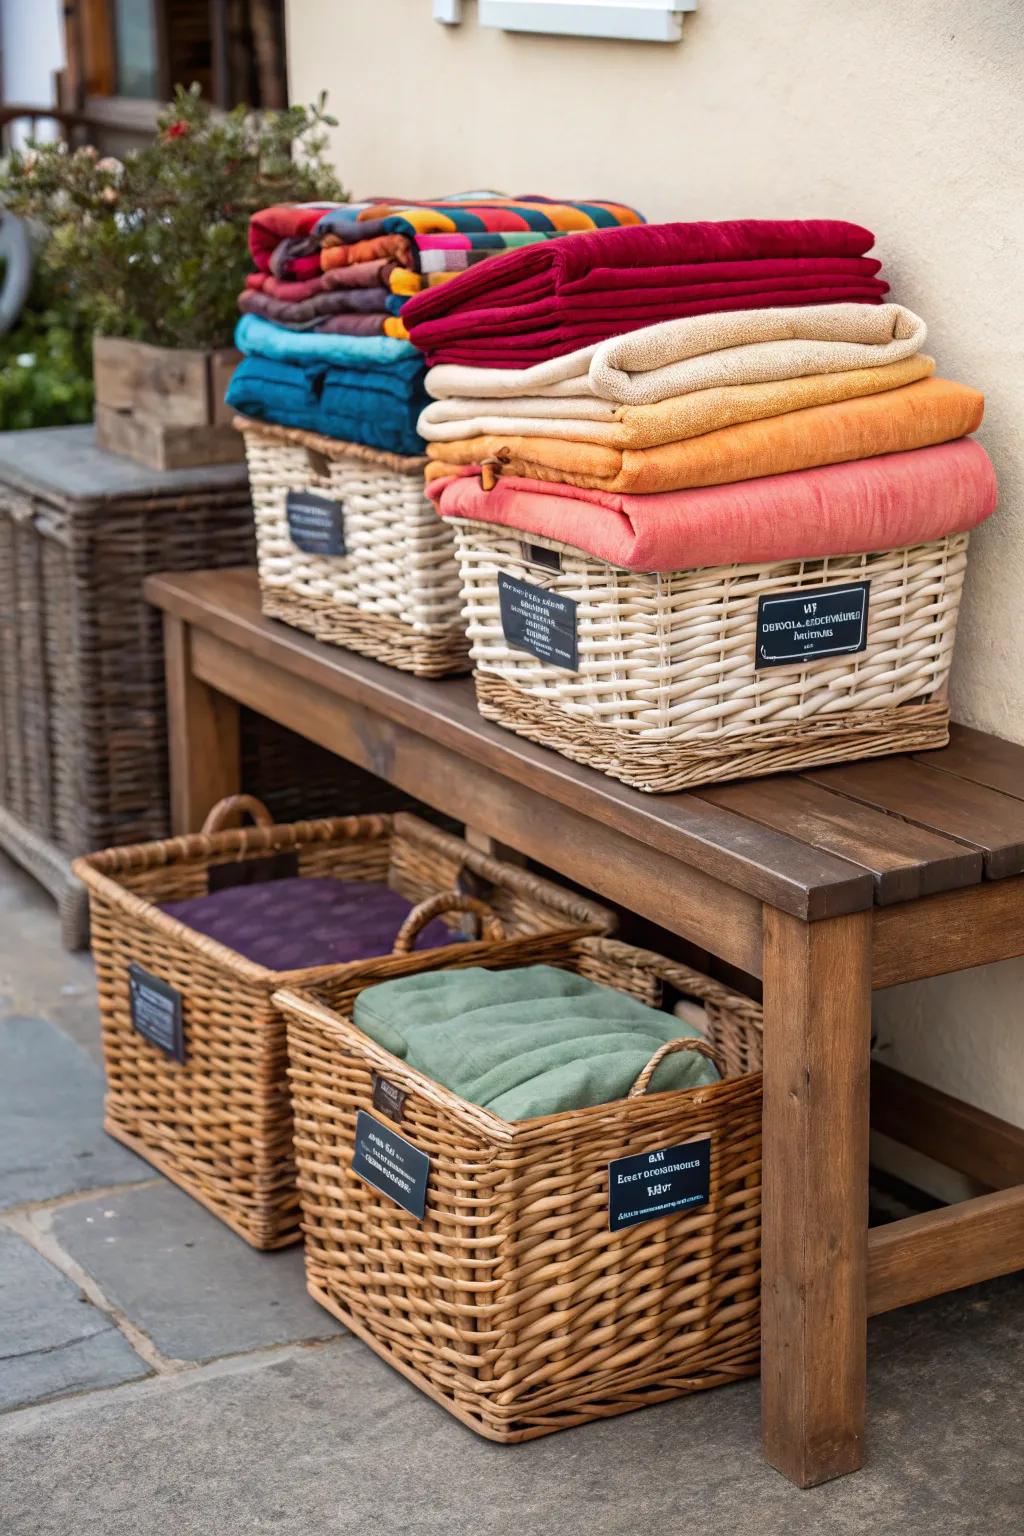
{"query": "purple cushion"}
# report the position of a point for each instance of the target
(288, 925)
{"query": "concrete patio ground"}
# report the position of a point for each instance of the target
(157, 1375)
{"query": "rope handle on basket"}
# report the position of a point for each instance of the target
(491, 927)
(643, 1082)
(242, 803)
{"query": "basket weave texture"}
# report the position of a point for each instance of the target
(219, 1124)
(394, 595)
(667, 694)
(83, 735)
(512, 1303)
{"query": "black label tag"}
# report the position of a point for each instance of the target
(801, 626)
(156, 1011)
(538, 621)
(277, 866)
(388, 1097)
(316, 523)
(391, 1164)
(539, 554)
(657, 1183)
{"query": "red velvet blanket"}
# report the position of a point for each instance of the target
(544, 300)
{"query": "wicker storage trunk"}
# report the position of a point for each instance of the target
(219, 1122)
(512, 1303)
(394, 592)
(83, 751)
(665, 692)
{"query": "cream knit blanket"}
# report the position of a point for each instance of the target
(750, 346)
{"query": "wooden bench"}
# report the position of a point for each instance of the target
(825, 885)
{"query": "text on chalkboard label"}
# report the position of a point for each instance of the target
(652, 1184)
(316, 523)
(538, 621)
(155, 1009)
(391, 1164)
(801, 626)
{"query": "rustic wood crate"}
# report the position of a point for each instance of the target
(164, 406)
(83, 751)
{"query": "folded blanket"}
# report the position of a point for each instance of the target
(525, 1043)
(290, 241)
(373, 409)
(754, 346)
(283, 221)
(362, 389)
(327, 258)
(486, 215)
(912, 416)
(257, 337)
(291, 924)
(538, 303)
(681, 416)
(475, 240)
(307, 312)
(889, 502)
(361, 274)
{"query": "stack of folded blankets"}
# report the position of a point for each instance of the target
(686, 395)
(322, 332)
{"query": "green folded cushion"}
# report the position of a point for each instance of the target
(529, 1042)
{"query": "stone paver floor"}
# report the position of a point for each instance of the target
(158, 1375)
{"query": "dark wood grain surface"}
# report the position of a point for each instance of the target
(973, 814)
(821, 844)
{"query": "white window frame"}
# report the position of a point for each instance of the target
(649, 21)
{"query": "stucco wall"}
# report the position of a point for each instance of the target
(906, 117)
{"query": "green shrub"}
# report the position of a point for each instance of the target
(154, 247)
(46, 362)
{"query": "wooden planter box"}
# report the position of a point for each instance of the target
(164, 406)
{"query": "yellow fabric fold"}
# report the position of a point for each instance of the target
(404, 282)
(394, 326)
(911, 416)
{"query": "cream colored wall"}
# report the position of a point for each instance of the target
(907, 117)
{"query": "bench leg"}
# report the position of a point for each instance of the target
(204, 749)
(817, 1004)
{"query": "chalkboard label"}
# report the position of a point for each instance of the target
(277, 866)
(658, 1183)
(387, 1096)
(538, 621)
(391, 1164)
(156, 1011)
(316, 523)
(801, 626)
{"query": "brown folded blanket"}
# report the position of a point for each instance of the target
(345, 301)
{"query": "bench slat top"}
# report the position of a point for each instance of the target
(819, 844)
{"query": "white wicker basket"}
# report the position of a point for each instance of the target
(394, 593)
(667, 694)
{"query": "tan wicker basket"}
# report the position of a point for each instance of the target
(394, 594)
(512, 1303)
(219, 1123)
(667, 694)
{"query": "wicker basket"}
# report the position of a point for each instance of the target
(512, 1303)
(219, 1123)
(667, 694)
(394, 594)
(83, 733)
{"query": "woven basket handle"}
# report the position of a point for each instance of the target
(491, 927)
(242, 803)
(643, 1082)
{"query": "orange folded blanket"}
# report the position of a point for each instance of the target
(913, 416)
